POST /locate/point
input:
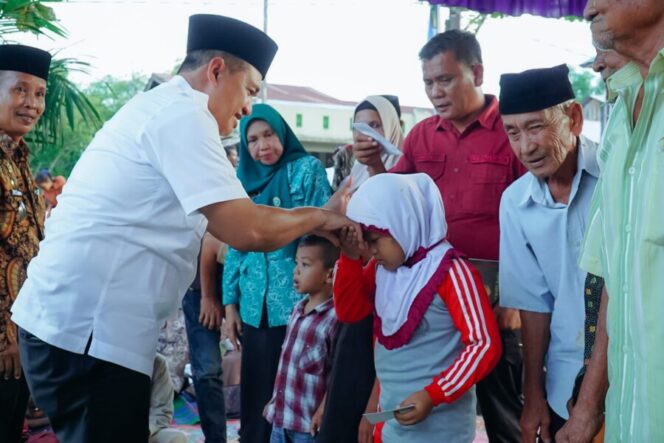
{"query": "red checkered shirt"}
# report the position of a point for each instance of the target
(303, 367)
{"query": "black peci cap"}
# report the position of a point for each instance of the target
(25, 59)
(207, 31)
(534, 90)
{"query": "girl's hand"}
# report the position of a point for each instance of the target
(349, 241)
(423, 406)
(365, 431)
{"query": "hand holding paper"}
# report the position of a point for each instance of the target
(422, 406)
(367, 130)
(379, 417)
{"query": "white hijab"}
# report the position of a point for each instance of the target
(392, 128)
(411, 209)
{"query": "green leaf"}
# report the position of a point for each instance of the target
(64, 100)
(29, 16)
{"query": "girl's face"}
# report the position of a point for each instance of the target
(385, 249)
(263, 143)
(371, 118)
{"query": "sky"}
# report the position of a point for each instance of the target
(345, 48)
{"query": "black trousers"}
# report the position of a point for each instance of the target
(261, 348)
(350, 383)
(13, 403)
(500, 393)
(86, 399)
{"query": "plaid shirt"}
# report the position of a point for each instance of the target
(303, 367)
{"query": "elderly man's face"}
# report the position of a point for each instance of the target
(614, 21)
(543, 139)
(607, 62)
(22, 102)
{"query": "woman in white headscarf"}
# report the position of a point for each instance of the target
(382, 113)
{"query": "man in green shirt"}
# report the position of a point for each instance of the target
(625, 235)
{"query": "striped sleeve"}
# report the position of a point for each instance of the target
(468, 304)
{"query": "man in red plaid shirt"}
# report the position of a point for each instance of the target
(296, 408)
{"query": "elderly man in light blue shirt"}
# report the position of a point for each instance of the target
(542, 221)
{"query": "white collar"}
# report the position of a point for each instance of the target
(181, 83)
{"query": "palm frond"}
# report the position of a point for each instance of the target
(29, 16)
(64, 100)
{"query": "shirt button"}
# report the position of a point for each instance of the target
(628, 228)
(625, 288)
(631, 170)
(456, 169)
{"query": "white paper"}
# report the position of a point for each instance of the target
(379, 417)
(371, 132)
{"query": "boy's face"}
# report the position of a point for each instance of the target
(310, 274)
(46, 185)
(385, 250)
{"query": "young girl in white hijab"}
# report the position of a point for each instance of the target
(436, 335)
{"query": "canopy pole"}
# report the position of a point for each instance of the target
(454, 20)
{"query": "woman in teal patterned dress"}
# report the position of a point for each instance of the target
(258, 287)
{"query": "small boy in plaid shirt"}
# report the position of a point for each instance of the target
(296, 408)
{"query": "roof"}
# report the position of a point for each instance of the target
(157, 79)
(600, 98)
(289, 93)
(302, 94)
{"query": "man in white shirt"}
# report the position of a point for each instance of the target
(121, 248)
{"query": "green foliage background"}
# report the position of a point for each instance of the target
(106, 96)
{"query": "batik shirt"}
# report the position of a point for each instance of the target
(21, 228)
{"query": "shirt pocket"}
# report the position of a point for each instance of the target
(654, 226)
(432, 165)
(489, 168)
(313, 360)
(488, 176)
